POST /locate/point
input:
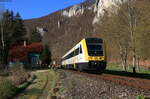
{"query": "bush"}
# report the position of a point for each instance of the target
(7, 89)
(20, 79)
(19, 74)
(4, 72)
(46, 55)
(140, 97)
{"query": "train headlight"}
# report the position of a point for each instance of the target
(101, 58)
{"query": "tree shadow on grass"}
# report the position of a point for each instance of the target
(128, 74)
(33, 91)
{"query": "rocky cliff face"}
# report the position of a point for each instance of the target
(102, 6)
(99, 7)
(76, 10)
(67, 27)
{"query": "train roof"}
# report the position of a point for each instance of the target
(71, 49)
(94, 40)
(88, 40)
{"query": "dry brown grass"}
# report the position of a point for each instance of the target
(7, 88)
(18, 74)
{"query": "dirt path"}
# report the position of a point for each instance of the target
(40, 71)
(41, 86)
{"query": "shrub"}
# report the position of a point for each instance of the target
(19, 74)
(20, 79)
(4, 72)
(140, 97)
(46, 55)
(7, 89)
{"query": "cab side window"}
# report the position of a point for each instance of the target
(80, 49)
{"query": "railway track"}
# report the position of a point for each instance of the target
(121, 80)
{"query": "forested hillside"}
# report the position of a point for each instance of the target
(128, 32)
(125, 26)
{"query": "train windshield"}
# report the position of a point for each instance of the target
(94, 47)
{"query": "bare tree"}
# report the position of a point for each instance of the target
(132, 19)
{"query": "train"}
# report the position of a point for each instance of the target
(88, 54)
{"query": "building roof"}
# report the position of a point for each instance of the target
(20, 52)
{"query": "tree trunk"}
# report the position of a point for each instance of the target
(138, 64)
(3, 56)
(2, 35)
(134, 63)
(123, 64)
(125, 59)
(121, 55)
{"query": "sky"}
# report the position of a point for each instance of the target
(37, 8)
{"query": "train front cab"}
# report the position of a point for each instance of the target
(94, 55)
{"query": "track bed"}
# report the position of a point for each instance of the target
(122, 80)
(80, 85)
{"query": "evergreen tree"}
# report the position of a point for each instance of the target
(6, 33)
(12, 32)
(35, 36)
(19, 30)
(12, 15)
(46, 55)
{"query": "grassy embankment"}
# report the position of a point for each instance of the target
(118, 70)
(13, 81)
(43, 86)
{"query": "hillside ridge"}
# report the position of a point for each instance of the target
(68, 26)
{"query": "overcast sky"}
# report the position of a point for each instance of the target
(37, 8)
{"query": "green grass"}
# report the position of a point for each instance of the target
(7, 88)
(118, 70)
(116, 67)
(23, 86)
(42, 86)
(51, 84)
(140, 97)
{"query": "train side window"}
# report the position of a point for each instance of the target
(80, 49)
(71, 54)
(76, 51)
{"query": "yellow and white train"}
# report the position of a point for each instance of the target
(88, 54)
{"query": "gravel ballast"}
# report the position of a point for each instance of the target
(79, 86)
